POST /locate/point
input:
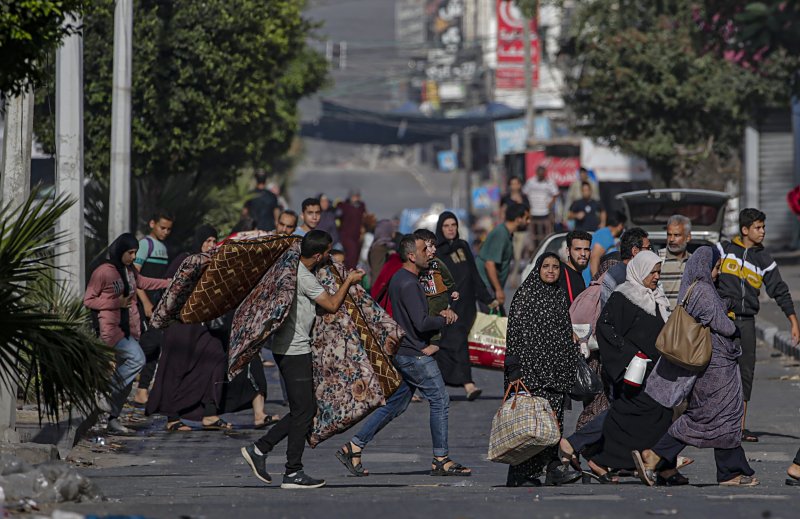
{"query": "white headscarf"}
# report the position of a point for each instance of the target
(638, 269)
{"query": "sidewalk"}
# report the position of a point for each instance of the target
(771, 324)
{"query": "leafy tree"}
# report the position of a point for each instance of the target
(29, 31)
(45, 344)
(642, 78)
(215, 88)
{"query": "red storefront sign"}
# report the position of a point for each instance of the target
(562, 170)
(510, 71)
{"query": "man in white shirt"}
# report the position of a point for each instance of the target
(542, 194)
(291, 347)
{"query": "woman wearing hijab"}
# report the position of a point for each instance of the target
(453, 354)
(540, 351)
(191, 370)
(327, 219)
(628, 327)
(713, 418)
(190, 383)
(382, 246)
(111, 292)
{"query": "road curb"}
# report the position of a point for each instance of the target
(780, 340)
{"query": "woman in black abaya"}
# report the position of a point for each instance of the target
(628, 326)
(453, 354)
(541, 352)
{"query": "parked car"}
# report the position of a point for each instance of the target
(650, 209)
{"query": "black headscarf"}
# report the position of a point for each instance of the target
(118, 247)
(443, 245)
(201, 234)
(540, 333)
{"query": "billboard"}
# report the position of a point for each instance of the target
(510, 71)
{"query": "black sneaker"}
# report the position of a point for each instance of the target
(257, 462)
(299, 479)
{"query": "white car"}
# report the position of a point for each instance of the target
(650, 210)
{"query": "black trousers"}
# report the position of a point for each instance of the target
(730, 462)
(297, 373)
(150, 342)
(589, 434)
(747, 361)
(797, 458)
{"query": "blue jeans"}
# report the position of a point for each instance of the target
(418, 373)
(130, 361)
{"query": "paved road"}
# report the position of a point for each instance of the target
(200, 474)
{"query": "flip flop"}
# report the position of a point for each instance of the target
(178, 427)
(741, 481)
(269, 420)
(219, 425)
(647, 476)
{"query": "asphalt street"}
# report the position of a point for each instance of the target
(201, 474)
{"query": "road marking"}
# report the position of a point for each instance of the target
(581, 498)
(750, 496)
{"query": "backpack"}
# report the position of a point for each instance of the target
(585, 309)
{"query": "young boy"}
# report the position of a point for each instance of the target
(151, 261)
(746, 266)
(437, 281)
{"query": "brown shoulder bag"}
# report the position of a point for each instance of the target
(683, 341)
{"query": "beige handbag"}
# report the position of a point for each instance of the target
(683, 341)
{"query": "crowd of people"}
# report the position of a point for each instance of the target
(433, 284)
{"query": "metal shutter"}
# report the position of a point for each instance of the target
(776, 177)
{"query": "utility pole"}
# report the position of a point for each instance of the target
(529, 109)
(15, 189)
(69, 160)
(119, 208)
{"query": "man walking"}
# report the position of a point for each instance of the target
(415, 363)
(312, 212)
(152, 260)
(632, 242)
(578, 251)
(497, 251)
(587, 212)
(746, 266)
(542, 194)
(351, 216)
(603, 241)
(674, 256)
(263, 205)
(291, 347)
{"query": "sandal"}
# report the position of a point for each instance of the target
(647, 475)
(572, 459)
(455, 469)
(741, 481)
(219, 425)
(675, 480)
(683, 461)
(347, 457)
(747, 436)
(790, 481)
(474, 394)
(269, 420)
(178, 426)
(609, 478)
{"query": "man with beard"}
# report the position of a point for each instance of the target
(674, 256)
(497, 251)
(579, 245)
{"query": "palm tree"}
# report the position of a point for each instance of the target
(46, 344)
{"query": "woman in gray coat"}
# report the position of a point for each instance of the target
(713, 418)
